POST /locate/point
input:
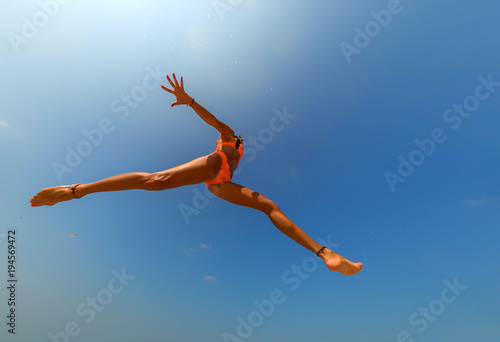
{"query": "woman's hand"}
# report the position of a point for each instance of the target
(180, 94)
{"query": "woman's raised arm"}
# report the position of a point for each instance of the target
(183, 98)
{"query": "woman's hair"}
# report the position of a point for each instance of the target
(239, 141)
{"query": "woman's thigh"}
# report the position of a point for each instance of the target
(243, 196)
(196, 171)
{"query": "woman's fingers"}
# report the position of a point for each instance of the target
(165, 88)
(178, 90)
(175, 80)
(170, 81)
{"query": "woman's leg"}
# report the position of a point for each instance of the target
(240, 195)
(197, 171)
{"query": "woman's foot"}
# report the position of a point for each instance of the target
(51, 196)
(337, 263)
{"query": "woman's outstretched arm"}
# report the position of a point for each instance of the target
(183, 98)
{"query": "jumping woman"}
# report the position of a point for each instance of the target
(216, 170)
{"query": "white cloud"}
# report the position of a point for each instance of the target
(209, 278)
(207, 247)
(295, 172)
(476, 202)
(202, 247)
(4, 124)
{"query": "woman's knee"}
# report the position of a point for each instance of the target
(158, 181)
(268, 207)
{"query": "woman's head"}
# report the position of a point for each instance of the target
(239, 141)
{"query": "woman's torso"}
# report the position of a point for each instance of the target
(232, 154)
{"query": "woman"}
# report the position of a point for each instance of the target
(216, 170)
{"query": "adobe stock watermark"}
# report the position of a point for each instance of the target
(453, 116)
(265, 308)
(425, 315)
(371, 30)
(94, 137)
(252, 146)
(30, 28)
(222, 7)
(88, 309)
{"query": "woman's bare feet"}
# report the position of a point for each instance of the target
(337, 263)
(53, 195)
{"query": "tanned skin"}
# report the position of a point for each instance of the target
(198, 171)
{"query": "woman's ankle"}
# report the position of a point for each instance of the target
(77, 190)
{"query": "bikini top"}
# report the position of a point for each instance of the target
(232, 144)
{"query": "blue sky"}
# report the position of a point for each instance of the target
(71, 70)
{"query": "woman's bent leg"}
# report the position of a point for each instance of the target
(240, 195)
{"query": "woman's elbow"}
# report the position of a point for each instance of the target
(224, 129)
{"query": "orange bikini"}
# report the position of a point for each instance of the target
(224, 174)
